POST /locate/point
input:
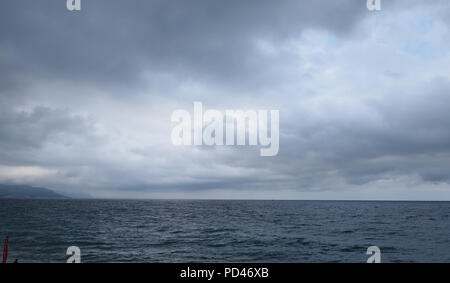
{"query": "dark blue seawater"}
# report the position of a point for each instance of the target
(225, 231)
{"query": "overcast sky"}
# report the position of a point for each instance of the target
(86, 97)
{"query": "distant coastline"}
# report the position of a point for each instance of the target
(28, 192)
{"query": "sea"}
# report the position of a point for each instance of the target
(230, 231)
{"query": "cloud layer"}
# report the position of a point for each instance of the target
(86, 97)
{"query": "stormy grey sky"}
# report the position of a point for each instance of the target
(86, 97)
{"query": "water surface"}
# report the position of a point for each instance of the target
(225, 231)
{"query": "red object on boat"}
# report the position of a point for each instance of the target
(5, 250)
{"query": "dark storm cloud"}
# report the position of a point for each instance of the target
(31, 129)
(23, 132)
(411, 136)
(114, 41)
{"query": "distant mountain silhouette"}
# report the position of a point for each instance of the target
(23, 191)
